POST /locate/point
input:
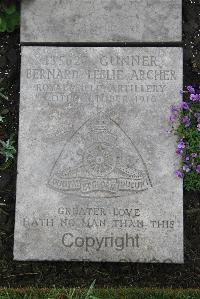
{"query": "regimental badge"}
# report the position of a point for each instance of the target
(100, 160)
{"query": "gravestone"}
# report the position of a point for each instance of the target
(101, 21)
(96, 165)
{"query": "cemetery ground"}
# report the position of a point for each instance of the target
(65, 274)
(61, 274)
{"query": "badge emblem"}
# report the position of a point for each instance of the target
(100, 160)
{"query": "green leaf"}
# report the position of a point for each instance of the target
(9, 18)
(2, 119)
(3, 96)
(3, 143)
(90, 291)
(8, 156)
(7, 148)
(3, 25)
(5, 111)
(12, 21)
(10, 9)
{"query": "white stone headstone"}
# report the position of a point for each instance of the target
(96, 165)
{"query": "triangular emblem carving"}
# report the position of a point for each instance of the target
(100, 160)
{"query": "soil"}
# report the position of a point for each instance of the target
(65, 274)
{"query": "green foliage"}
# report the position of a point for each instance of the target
(9, 16)
(185, 123)
(7, 148)
(192, 181)
(192, 139)
(7, 144)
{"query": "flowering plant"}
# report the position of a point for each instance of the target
(185, 122)
(9, 15)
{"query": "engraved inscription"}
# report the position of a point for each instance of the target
(96, 166)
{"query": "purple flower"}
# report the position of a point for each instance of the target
(184, 105)
(175, 109)
(172, 118)
(174, 113)
(186, 121)
(181, 144)
(198, 168)
(179, 151)
(186, 168)
(194, 155)
(191, 89)
(187, 159)
(194, 97)
(179, 174)
(197, 114)
(198, 127)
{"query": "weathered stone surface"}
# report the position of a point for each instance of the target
(96, 165)
(101, 21)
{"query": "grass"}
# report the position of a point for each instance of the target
(107, 293)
